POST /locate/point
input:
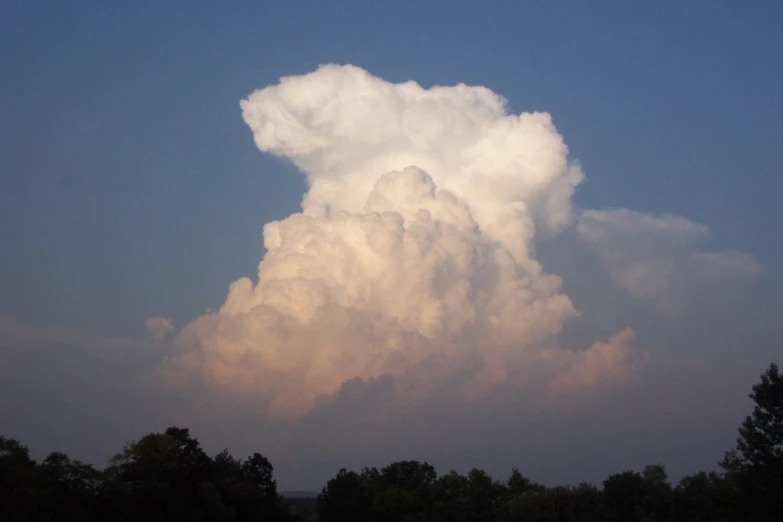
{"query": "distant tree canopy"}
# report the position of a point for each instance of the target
(161, 477)
(168, 477)
(751, 489)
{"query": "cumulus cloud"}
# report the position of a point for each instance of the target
(659, 257)
(159, 327)
(613, 361)
(412, 255)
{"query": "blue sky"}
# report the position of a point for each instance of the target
(125, 156)
(130, 186)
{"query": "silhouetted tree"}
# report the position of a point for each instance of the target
(630, 497)
(756, 464)
(403, 490)
(17, 481)
(704, 497)
(346, 498)
(519, 485)
(484, 495)
(450, 497)
(67, 488)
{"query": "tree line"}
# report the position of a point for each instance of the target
(168, 477)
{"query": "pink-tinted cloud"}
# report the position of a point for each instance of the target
(412, 255)
(159, 327)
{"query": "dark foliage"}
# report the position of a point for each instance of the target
(750, 489)
(168, 477)
(162, 477)
(755, 466)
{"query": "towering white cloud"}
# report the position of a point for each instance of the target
(413, 251)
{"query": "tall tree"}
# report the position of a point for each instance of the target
(17, 480)
(756, 463)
